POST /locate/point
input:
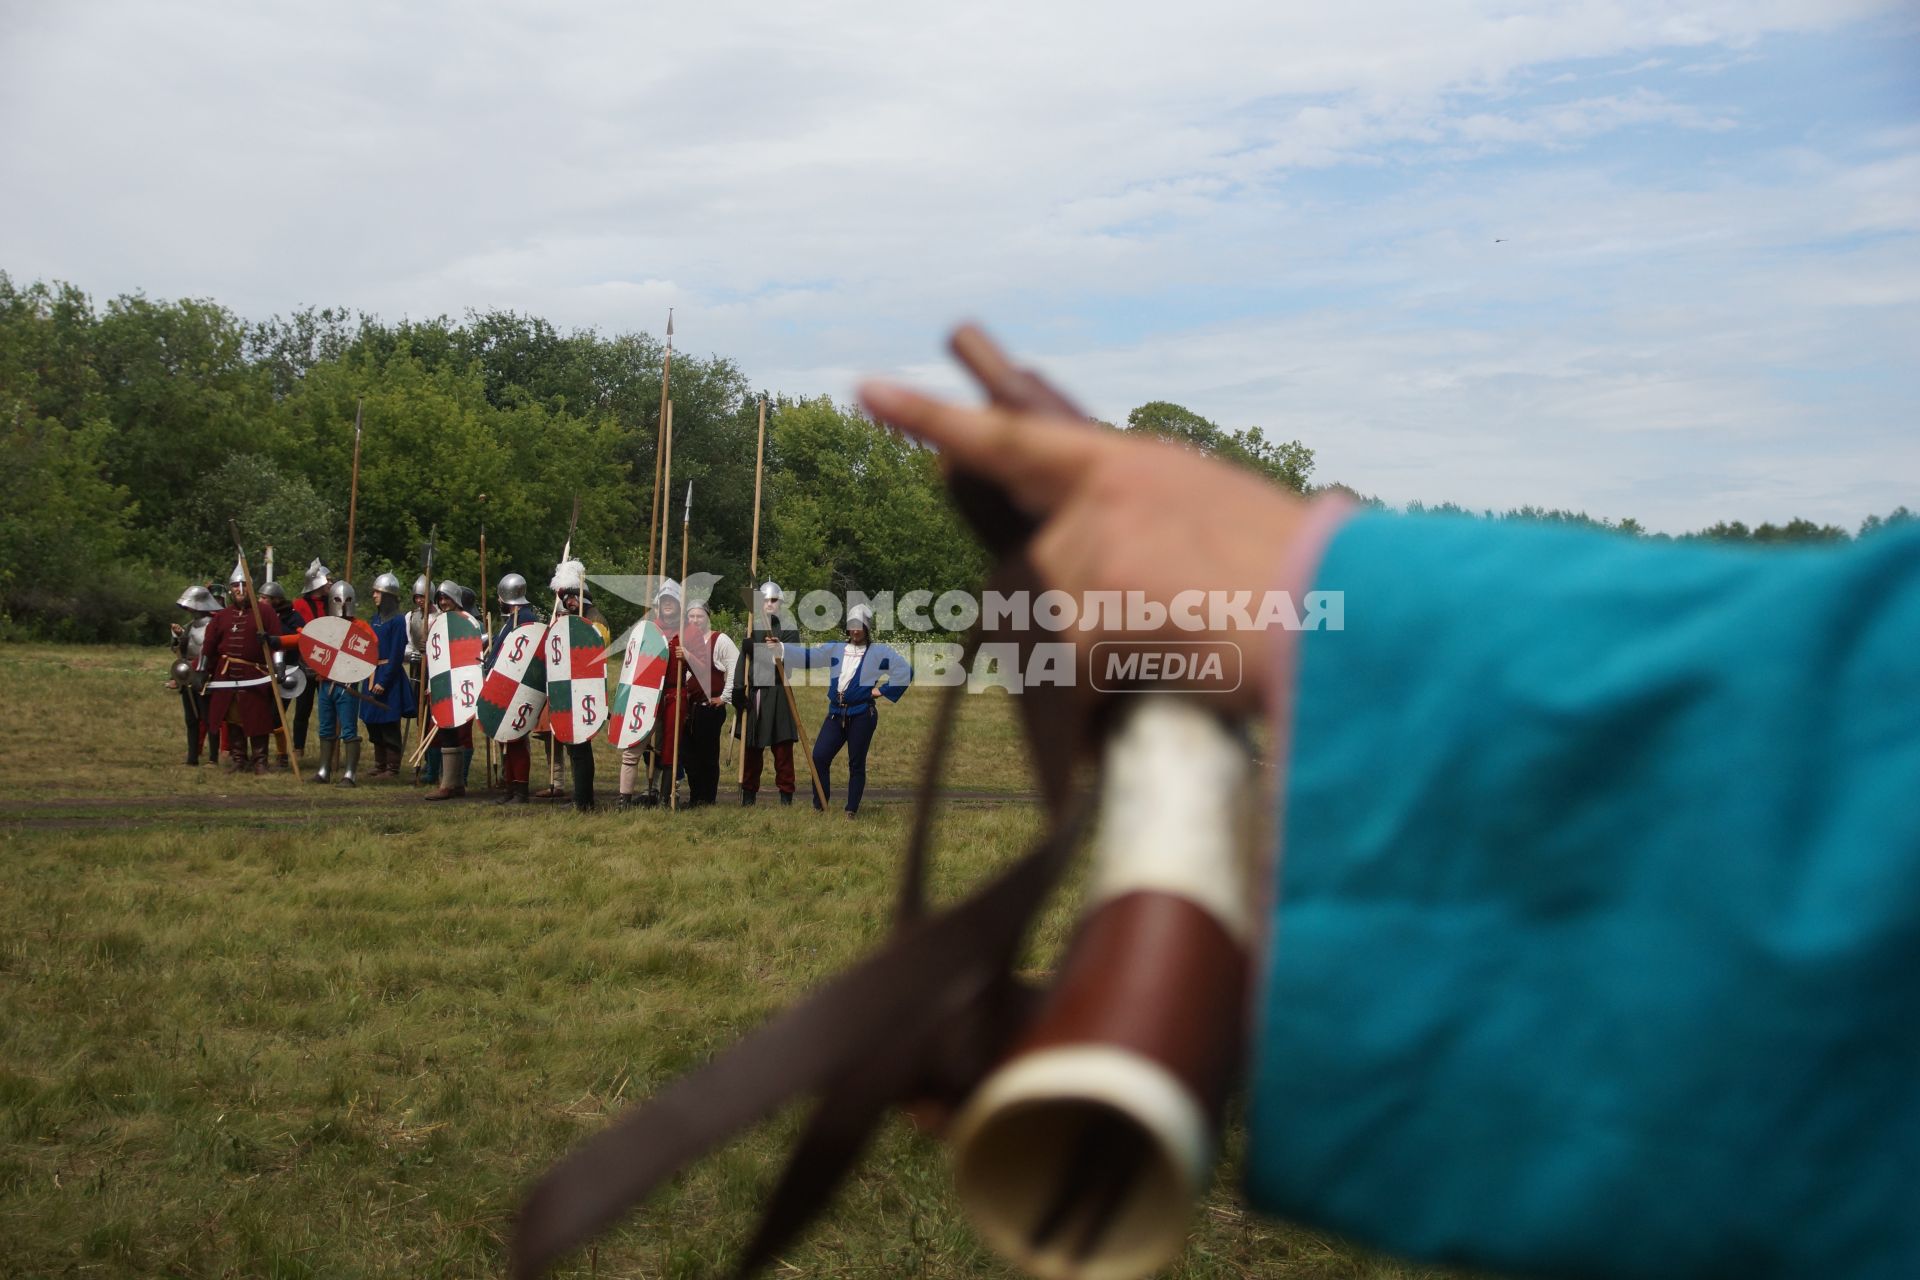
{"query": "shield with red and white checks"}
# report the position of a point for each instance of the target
(516, 686)
(340, 649)
(576, 679)
(453, 669)
(636, 698)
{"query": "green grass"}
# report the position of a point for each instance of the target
(340, 1045)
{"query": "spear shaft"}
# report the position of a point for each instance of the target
(663, 430)
(353, 488)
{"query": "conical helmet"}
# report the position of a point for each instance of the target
(388, 585)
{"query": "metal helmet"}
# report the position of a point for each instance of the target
(292, 680)
(239, 575)
(512, 590)
(273, 591)
(669, 590)
(450, 589)
(340, 600)
(318, 576)
(198, 599)
(469, 599)
(388, 585)
(770, 590)
(420, 585)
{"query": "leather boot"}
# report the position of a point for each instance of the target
(260, 756)
(324, 774)
(749, 798)
(516, 794)
(450, 786)
(353, 761)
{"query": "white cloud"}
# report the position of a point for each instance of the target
(821, 190)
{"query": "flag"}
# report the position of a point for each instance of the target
(516, 687)
(453, 669)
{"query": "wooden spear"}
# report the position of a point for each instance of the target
(753, 571)
(260, 622)
(486, 619)
(663, 431)
(680, 656)
(353, 488)
(780, 674)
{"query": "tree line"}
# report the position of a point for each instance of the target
(135, 430)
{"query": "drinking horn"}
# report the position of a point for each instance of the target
(1083, 1154)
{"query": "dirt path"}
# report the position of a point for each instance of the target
(273, 808)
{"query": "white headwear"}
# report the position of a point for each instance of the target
(570, 575)
(770, 590)
(861, 616)
(669, 589)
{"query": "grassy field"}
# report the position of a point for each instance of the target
(251, 1027)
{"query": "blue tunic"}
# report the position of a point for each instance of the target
(884, 671)
(1597, 940)
(389, 674)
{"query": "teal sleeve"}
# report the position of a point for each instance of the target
(1596, 939)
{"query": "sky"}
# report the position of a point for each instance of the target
(1648, 258)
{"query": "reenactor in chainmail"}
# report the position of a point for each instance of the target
(764, 716)
(339, 712)
(189, 638)
(389, 692)
(311, 604)
(236, 655)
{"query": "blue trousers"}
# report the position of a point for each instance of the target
(855, 733)
(339, 712)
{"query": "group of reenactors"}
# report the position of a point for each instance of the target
(243, 686)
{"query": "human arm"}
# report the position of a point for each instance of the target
(1583, 960)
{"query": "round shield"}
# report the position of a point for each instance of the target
(182, 671)
(292, 681)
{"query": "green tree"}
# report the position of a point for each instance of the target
(1287, 462)
(854, 507)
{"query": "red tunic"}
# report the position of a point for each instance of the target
(240, 673)
(700, 682)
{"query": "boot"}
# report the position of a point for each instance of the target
(328, 747)
(623, 802)
(353, 761)
(786, 797)
(516, 794)
(749, 798)
(260, 756)
(450, 784)
(466, 763)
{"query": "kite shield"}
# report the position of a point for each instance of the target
(576, 679)
(453, 669)
(636, 698)
(516, 688)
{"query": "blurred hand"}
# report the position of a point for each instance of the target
(1119, 514)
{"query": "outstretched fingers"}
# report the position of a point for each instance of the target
(1036, 459)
